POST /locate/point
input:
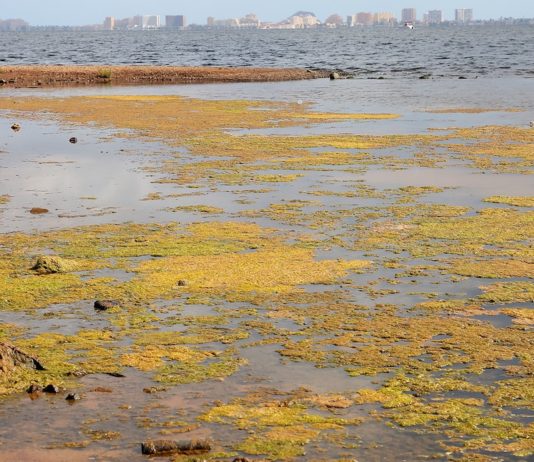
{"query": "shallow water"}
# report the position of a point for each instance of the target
(102, 179)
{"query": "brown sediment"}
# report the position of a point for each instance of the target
(54, 76)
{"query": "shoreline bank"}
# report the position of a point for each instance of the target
(57, 76)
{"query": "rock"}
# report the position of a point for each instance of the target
(11, 357)
(334, 76)
(38, 211)
(15, 127)
(462, 78)
(51, 388)
(49, 264)
(531, 124)
(104, 305)
(115, 374)
(166, 447)
(34, 388)
(3, 82)
(182, 283)
(73, 397)
(425, 77)
(242, 459)
(73, 140)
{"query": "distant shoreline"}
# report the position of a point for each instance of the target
(39, 76)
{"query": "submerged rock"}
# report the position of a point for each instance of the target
(166, 447)
(34, 388)
(49, 264)
(38, 211)
(51, 388)
(104, 305)
(11, 357)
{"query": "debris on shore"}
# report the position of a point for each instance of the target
(167, 447)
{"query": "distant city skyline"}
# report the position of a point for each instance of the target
(67, 12)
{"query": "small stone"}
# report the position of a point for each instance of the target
(104, 305)
(78, 373)
(182, 283)
(73, 140)
(15, 127)
(334, 76)
(51, 388)
(34, 388)
(3, 82)
(532, 124)
(425, 77)
(73, 397)
(38, 211)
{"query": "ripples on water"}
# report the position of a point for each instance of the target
(367, 52)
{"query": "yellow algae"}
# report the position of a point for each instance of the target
(208, 209)
(516, 201)
(495, 268)
(279, 269)
(510, 292)
(520, 316)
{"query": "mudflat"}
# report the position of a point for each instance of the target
(53, 76)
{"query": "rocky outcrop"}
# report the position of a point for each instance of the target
(11, 358)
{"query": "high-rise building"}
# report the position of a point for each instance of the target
(211, 21)
(151, 22)
(175, 21)
(435, 17)
(463, 15)
(364, 19)
(109, 23)
(136, 22)
(409, 15)
(384, 18)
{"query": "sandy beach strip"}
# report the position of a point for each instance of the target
(54, 76)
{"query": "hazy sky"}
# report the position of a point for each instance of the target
(74, 12)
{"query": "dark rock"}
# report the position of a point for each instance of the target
(182, 283)
(15, 127)
(166, 447)
(11, 357)
(462, 78)
(242, 459)
(34, 388)
(38, 211)
(425, 77)
(2, 82)
(115, 374)
(51, 388)
(104, 305)
(73, 397)
(73, 140)
(334, 76)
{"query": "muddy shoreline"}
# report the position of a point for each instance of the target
(60, 76)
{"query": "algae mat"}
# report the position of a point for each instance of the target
(275, 297)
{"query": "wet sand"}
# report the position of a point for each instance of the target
(56, 76)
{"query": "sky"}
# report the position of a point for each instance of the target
(76, 12)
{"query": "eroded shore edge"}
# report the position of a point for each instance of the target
(55, 76)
